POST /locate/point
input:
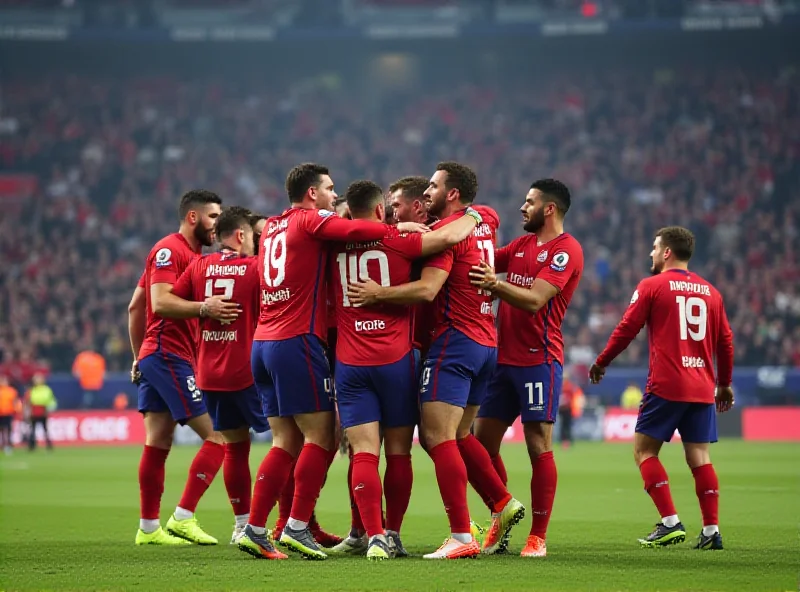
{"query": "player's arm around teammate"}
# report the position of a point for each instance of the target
(543, 270)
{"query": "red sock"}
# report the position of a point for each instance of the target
(543, 492)
(236, 474)
(356, 524)
(202, 471)
(451, 475)
(151, 481)
(366, 486)
(285, 501)
(270, 481)
(397, 483)
(656, 484)
(706, 485)
(309, 475)
(500, 467)
(481, 473)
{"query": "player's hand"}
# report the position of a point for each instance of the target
(224, 311)
(724, 398)
(136, 374)
(596, 373)
(483, 276)
(412, 227)
(363, 293)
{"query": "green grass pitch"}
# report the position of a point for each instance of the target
(68, 519)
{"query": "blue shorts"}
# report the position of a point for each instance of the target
(457, 370)
(231, 410)
(168, 385)
(659, 418)
(530, 391)
(292, 376)
(387, 393)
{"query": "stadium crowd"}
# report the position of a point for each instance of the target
(716, 151)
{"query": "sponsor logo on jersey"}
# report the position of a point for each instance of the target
(219, 335)
(559, 262)
(635, 296)
(373, 325)
(693, 362)
(325, 213)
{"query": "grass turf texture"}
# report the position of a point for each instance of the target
(69, 520)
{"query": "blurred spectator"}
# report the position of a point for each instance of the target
(40, 402)
(570, 406)
(714, 149)
(90, 369)
(631, 397)
(120, 402)
(8, 408)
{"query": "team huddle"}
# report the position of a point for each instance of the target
(357, 320)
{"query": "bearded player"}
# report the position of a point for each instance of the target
(687, 330)
(544, 268)
(168, 392)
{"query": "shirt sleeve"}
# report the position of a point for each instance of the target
(564, 264)
(183, 287)
(724, 348)
(163, 267)
(142, 283)
(632, 322)
(328, 226)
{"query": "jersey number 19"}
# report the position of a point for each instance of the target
(693, 317)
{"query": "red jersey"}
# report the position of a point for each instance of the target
(292, 265)
(167, 260)
(531, 339)
(687, 327)
(375, 335)
(223, 353)
(459, 304)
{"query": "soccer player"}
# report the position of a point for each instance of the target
(687, 329)
(459, 363)
(223, 358)
(373, 396)
(288, 360)
(544, 268)
(168, 391)
(409, 204)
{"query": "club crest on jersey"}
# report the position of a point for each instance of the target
(542, 257)
(163, 258)
(324, 213)
(559, 262)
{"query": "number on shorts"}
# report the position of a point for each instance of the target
(355, 268)
(275, 259)
(539, 399)
(226, 285)
(693, 316)
(426, 376)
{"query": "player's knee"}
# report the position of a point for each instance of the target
(696, 456)
(215, 437)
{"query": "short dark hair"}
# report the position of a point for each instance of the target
(460, 177)
(555, 192)
(301, 178)
(256, 218)
(412, 187)
(362, 196)
(197, 197)
(232, 219)
(680, 241)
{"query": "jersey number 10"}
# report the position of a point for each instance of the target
(693, 317)
(353, 268)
